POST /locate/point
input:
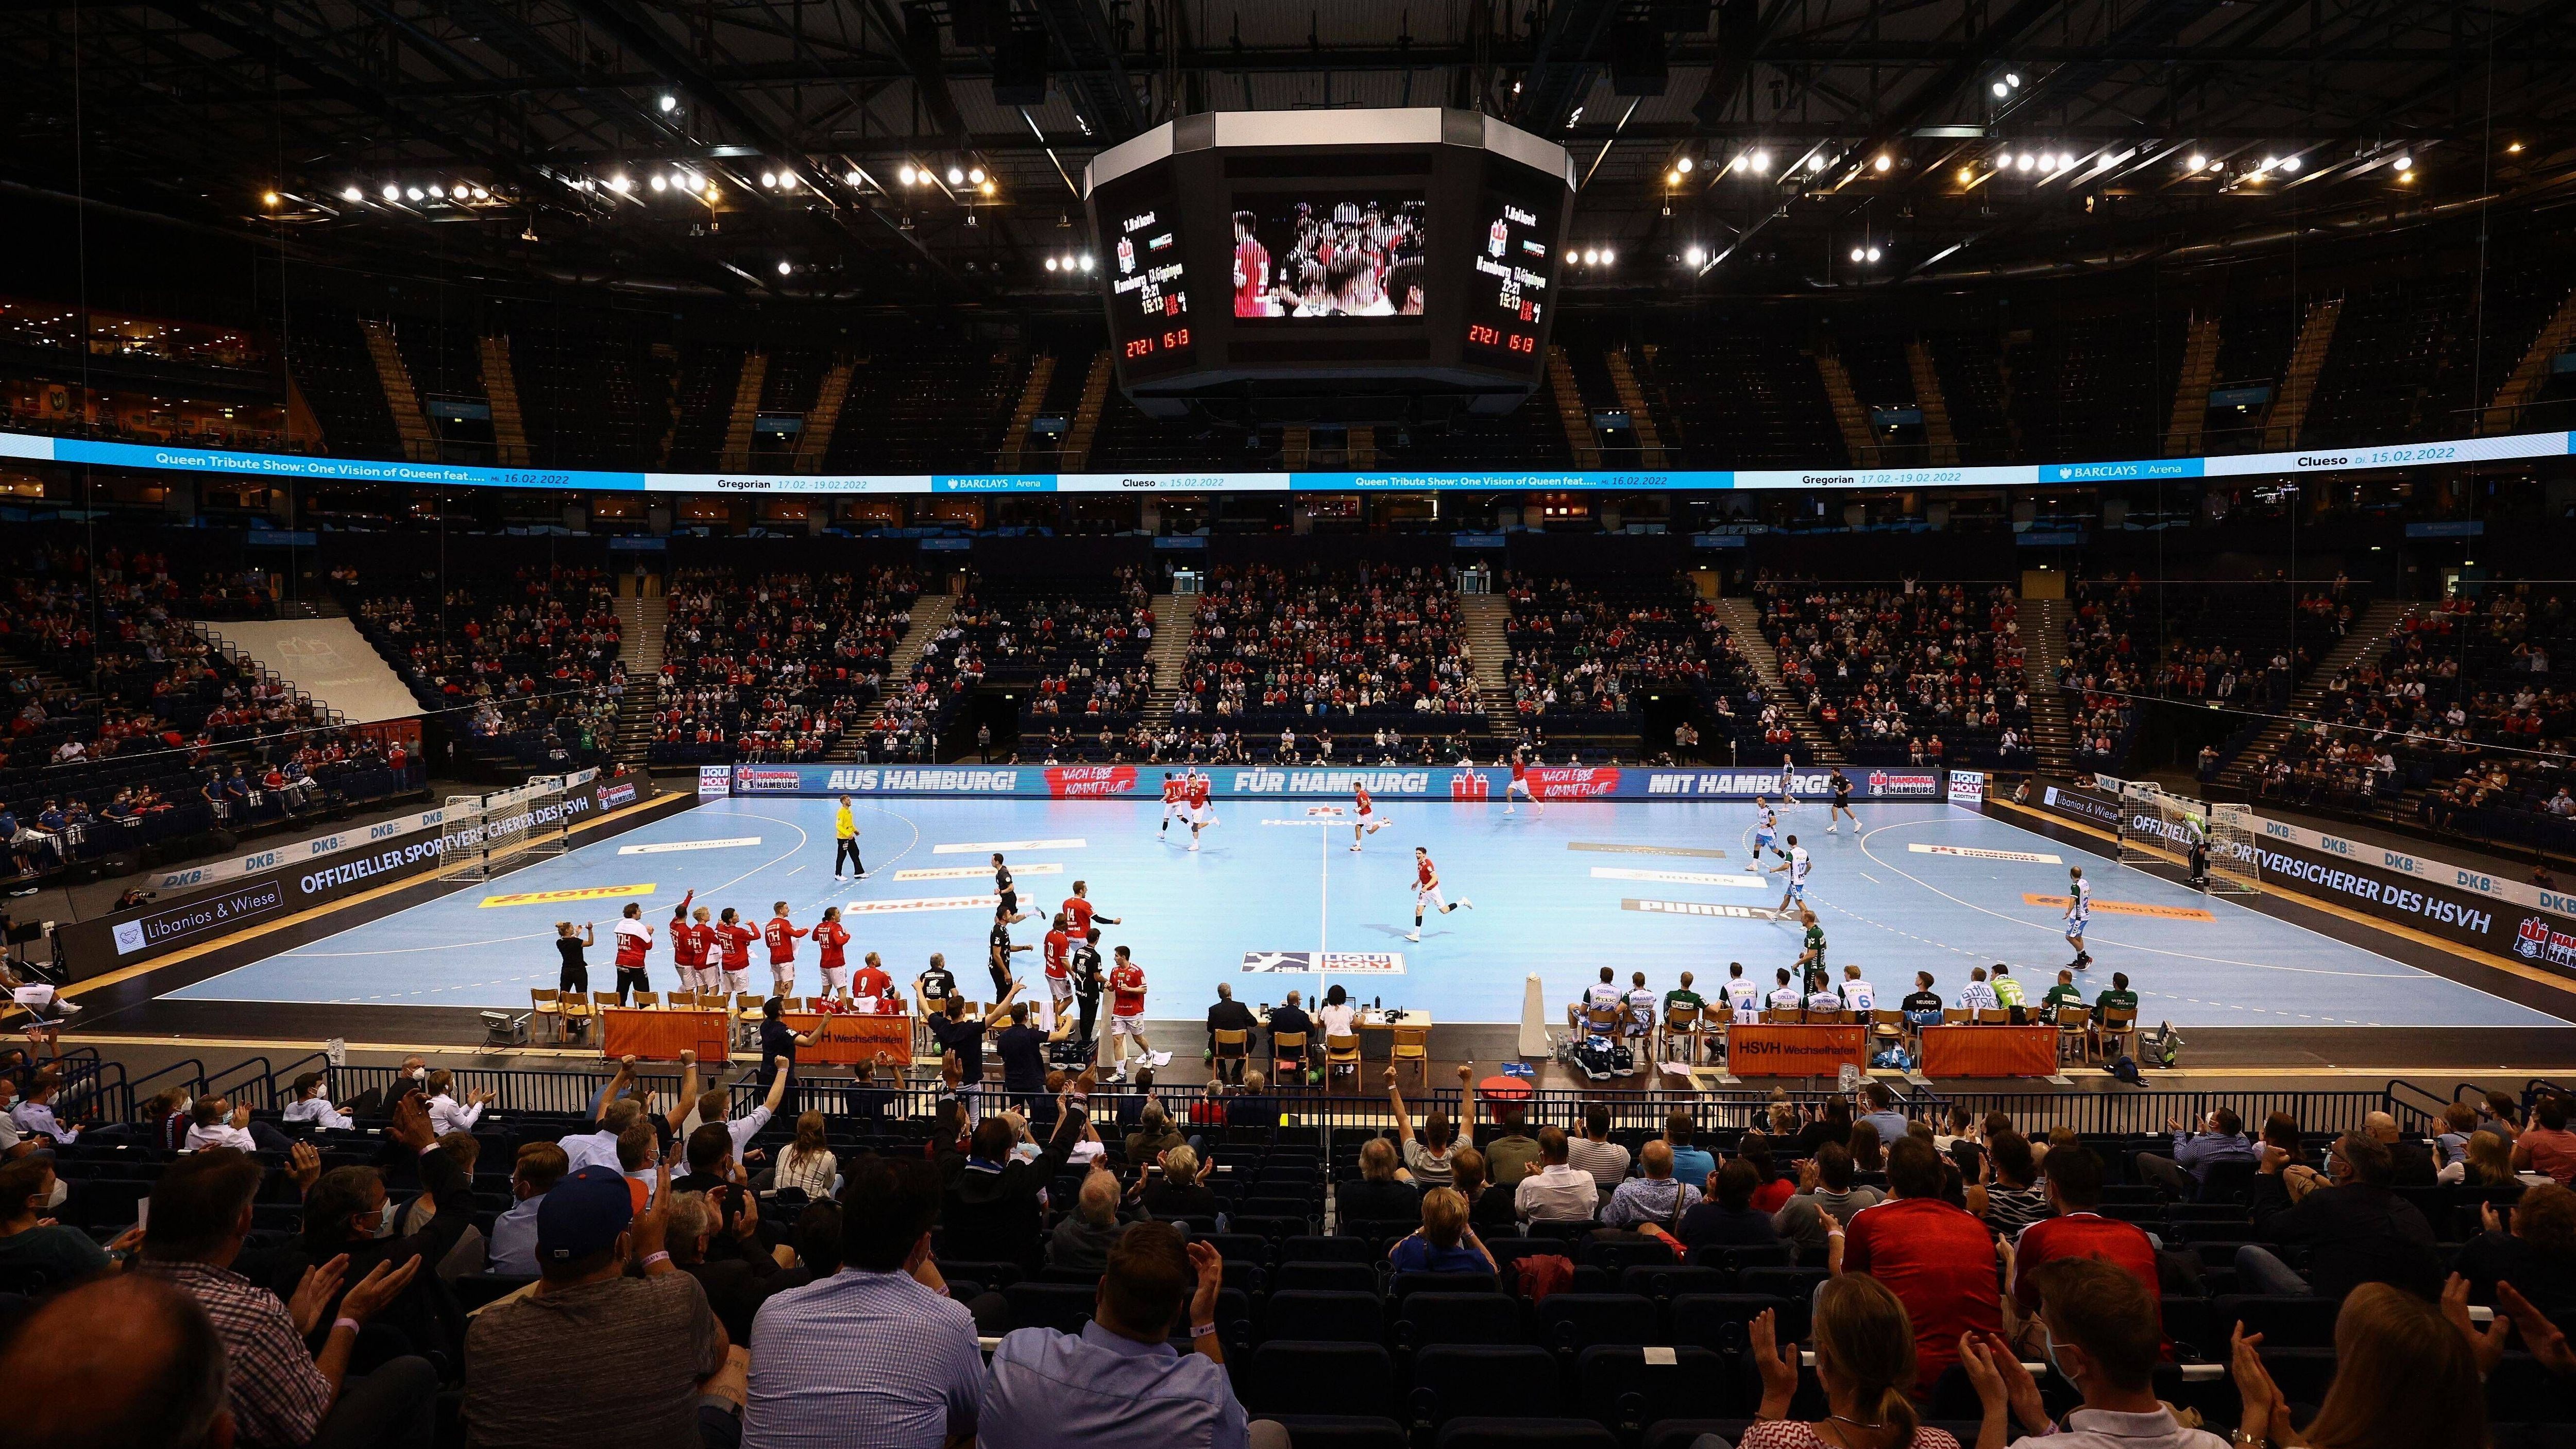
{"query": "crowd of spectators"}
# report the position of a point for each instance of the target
(1581, 650)
(2107, 654)
(1376, 644)
(1912, 674)
(525, 663)
(776, 667)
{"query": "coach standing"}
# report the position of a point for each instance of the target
(845, 837)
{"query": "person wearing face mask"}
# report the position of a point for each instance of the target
(37, 1254)
(2101, 1336)
(348, 1211)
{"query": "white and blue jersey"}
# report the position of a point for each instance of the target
(2079, 906)
(1798, 864)
(1766, 826)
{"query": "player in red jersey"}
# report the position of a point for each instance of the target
(781, 934)
(733, 951)
(634, 941)
(1173, 802)
(1059, 955)
(1078, 911)
(1126, 1013)
(691, 940)
(872, 983)
(1202, 815)
(1251, 268)
(833, 940)
(1520, 784)
(679, 946)
(1426, 891)
(1368, 822)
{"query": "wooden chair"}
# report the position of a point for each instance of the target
(1233, 1049)
(1994, 1016)
(573, 1013)
(1609, 1021)
(1682, 1024)
(1412, 1046)
(1957, 1016)
(546, 1007)
(818, 1003)
(1887, 1026)
(1785, 1016)
(746, 1015)
(1341, 1054)
(648, 1000)
(1287, 1055)
(2120, 1027)
(2074, 1034)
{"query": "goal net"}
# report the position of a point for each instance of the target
(2235, 867)
(2148, 831)
(483, 831)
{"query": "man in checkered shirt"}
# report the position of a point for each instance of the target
(282, 1393)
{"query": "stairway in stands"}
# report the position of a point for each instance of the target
(746, 411)
(1743, 618)
(501, 389)
(825, 418)
(1938, 435)
(2299, 381)
(2532, 372)
(394, 376)
(2368, 637)
(2052, 728)
(1173, 617)
(1033, 393)
(2191, 391)
(930, 614)
(642, 612)
(1580, 442)
(1487, 619)
(1849, 417)
(1651, 450)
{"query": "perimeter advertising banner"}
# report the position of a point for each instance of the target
(2531, 924)
(1427, 782)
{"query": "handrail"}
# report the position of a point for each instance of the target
(251, 1070)
(281, 1083)
(2431, 1116)
(195, 1082)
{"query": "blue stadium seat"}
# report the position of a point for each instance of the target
(1572, 1322)
(1324, 1277)
(1428, 1318)
(1719, 1320)
(1064, 1307)
(1614, 1385)
(1321, 1317)
(1286, 1375)
(1455, 1380)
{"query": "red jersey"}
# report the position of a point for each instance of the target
(1251, 273)
(834, 939)
(1127, 990)
(2083, 1235)
(1198, 791)
(1423, 871)
(1520, 769)
(634, 938)
(781, 936)
(871, 982)
(1939, 1263)
(733, 944)
(680, 932)
(690, 943)
(1171, 791)
(1365, 806)
(1077, 917)
(1059, 944)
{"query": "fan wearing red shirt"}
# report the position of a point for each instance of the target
(781, 934)
(1939, 1261)
(1126, 1013)
(690, 942)
(1059, 953)
(2074, 1179)
(733, 951)
(833, 940)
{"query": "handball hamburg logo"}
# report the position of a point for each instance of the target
(1126, 255)
(2537, 941)
(1498, 238)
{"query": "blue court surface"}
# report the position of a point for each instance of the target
(1655, 887)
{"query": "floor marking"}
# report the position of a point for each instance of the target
(1697, 908)
(972, 872)
(2032, 856)
(973, 847)
(1865, 875)
(922, 903)
(1612, 845)
(2124, 908)
(669, 846)
(1682, 877)
(576, 893)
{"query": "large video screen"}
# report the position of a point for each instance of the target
(1311, 256)
(1515, 264)
(1149, 298)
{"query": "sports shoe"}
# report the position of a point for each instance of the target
(1508, 810)
(1833, 830)
(1466, 904)
(1194, 845)
(1354, 847)
(1413, 935)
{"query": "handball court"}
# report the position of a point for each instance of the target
(1274, 890)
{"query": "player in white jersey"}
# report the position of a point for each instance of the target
(1786, 996)
(1426, 892)
(2079, 907)
(1642, 1002)
(1858, 995)
(1794, 864)
(1368, 822)
(1520, 784)
(1743, 998)
(1603, 995)
(1766, 828)
(1789, 781)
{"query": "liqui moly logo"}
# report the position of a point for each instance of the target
(2539, 941)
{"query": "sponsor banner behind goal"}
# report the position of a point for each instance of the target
(2534, 925)
(1394, 783)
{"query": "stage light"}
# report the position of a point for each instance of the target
(1088, 262)
(1967, 174)
(1999, 88)
(2003, 161)
(268, 198)
(956, 177)
(1857, 253)
(907, 175)
(712, 193)
(2268, 163)
(2513, 148)
(1882, 163)
(988, 188)
(1683, 165)
(2025, 161)
(670, 103)
(975, 175)
(1608, 256)
(411, 193)
(482, 195)
(1695, 256)
(435, 191)
(784, 268)
(1673, 178)
(2290, 164)
(787, 181)
(392, 192)
(2403, 164)
(661, 183)
(2195, 162)
(2013, 78)
(350, 193)
(1873, 254)
(620, 184)
(769, 179)
(1050, 264)
(1590, 257)
(1761, 163)
(1818, 164)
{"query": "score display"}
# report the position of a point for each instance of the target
(1515, 263)
(1149, 298)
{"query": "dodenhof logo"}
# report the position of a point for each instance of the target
(2539, 941)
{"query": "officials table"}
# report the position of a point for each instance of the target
(1989, 1051)
(1789, 1049)
(849, 1038)
(660, 1036)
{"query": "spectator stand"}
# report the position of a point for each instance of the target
(1923, 675)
